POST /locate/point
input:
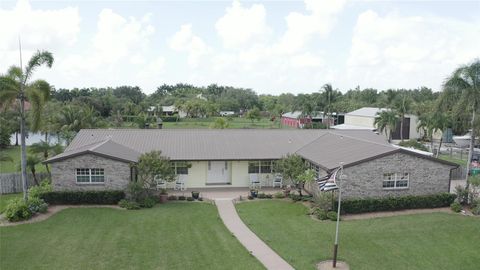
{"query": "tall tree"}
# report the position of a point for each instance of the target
(386, 121)
(402, 105)
(466, 80)
(15, 85)
(45, 149)
(328, 90)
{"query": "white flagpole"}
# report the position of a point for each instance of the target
(335, 248)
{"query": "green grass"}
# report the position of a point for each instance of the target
(4, 198)
(424, 241)
(170, 236)
(461, 162)
(14, 153)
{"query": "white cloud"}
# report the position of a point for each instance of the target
(406, 51)
(301, 28)
(240, 25)
(51, 29)
(185, 41)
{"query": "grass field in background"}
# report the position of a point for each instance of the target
(423, 241)
(14, 153)
(461, 162)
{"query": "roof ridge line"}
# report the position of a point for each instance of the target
(307, 144)
(358, 139)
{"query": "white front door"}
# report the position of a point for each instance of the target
(218, 172)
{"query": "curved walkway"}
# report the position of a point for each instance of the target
(247, 238)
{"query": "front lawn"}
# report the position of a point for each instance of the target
(423, 241)
(170, 236)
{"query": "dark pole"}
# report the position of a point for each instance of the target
(335, 247)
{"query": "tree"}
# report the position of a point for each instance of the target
(440, 123)
(425, 122)
(32, 161)
(402, 104)
(328, 90)
(16, 85)
(386, 121)
(151, 164)
(254, 114)
(292, 167)
(466, 81)
(44, 148)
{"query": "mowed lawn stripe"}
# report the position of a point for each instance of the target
(422, 241)
(170, 236)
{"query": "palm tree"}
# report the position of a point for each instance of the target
(328, 90)
(15, 85)
(44, 148)
(466, 80)
(386, 121)
(403, 106)
(32, 161)
(425, 122)
(440, 123)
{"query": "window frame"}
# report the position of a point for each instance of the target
(260, 167)
(395, 180)
(180, 167)
(93, 175)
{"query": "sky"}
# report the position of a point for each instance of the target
(271, 47)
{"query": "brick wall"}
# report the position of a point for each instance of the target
(117, 173)
(426, 177)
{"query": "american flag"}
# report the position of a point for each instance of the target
(328, 183)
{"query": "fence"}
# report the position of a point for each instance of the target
(459, 173)
(12, 182)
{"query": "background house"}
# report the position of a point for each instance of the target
(297, 120)
(364, 118)
(103, 158)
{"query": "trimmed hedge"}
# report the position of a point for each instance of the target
(355, 206)
(83, 197)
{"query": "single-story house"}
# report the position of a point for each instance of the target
(99, 159)
(364, 118)
(166, 111)
(298, 120)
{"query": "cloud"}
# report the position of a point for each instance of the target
(53, 29)
(240, 25)
(404, 51)
(301, 28)
(185, 41)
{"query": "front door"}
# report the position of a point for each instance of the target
(218, 172)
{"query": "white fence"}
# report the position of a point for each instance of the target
(12, 182)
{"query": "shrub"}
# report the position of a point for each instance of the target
(476, 210)
(295, 197)
(279, 195)
(130, 205)
(332, 215)
(200, 199)
(456, 207)
(462, 194)
(83, 197)
(148, 202)
(261, 195)
(173, 118)
(355, 206)
(181, 198)
(268, 196)
(172, 198)
(190, 199)
(17, 210)
(37, 205)
(414, 144)
(250, 197)
(36, 191)
(320, 213)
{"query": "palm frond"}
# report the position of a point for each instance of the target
(15, 73)
(38, 59)
(43, 87)
(36, 100)
(9, 90)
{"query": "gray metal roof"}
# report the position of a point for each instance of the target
(326, 148)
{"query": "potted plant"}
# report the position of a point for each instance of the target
(287, 190)
(195, 195)
(163, 195)
(254, 193)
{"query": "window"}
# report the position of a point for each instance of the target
(95, 175)
(180, 167)
(264, 166)
(395, 180)
(316, 169)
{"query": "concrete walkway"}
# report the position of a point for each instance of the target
(252, 243)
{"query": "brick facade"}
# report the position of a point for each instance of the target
(366, 179)
(117, 173)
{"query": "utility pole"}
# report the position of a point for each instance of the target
(335, 248)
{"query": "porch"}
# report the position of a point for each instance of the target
(222, 192)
